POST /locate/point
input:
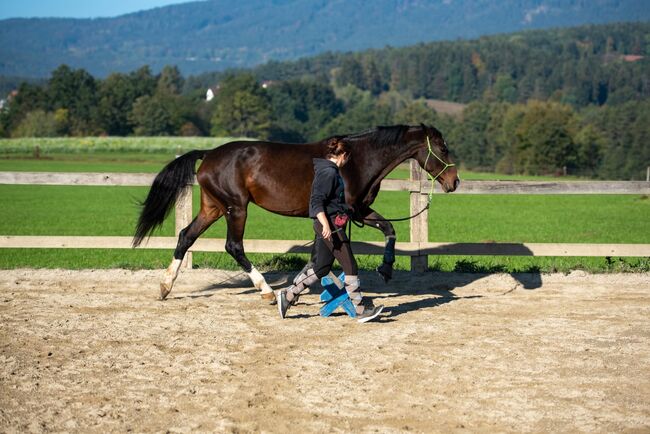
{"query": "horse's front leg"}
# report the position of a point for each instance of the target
(236, 219)
(375, 220)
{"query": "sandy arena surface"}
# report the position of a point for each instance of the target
(95, 351)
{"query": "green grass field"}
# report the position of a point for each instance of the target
(115, 145)
(81, 210)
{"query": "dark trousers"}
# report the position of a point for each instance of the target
(337, 247)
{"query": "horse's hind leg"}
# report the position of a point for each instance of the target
(208, 215)
(236, 218)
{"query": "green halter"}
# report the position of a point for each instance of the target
(434, 178)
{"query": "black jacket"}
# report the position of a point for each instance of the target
(327, 190)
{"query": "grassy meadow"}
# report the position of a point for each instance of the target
(82, 210)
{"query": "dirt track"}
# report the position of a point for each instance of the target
(95, 351)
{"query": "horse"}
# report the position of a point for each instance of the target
(277, 177)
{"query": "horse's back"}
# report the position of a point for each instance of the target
(275, 176)
(264, 156)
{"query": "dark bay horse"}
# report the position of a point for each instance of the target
(278, 178)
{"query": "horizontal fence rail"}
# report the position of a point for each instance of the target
(418, 248)
(359, 247)
(466, 187)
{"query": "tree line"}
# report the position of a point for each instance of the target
(595, 125)
(549, 137)
(74, 103)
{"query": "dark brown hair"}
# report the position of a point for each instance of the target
(337, 146)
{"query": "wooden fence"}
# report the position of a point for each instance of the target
(418, 248)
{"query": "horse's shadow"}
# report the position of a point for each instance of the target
(239, 280)
(433, 288)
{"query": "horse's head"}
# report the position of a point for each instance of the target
(433, 156)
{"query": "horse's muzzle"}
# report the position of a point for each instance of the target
(451, 187)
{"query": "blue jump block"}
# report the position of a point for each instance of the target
(333, 297)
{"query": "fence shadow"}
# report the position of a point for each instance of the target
(436, 288)
(529, 280)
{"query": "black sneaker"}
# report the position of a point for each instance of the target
(283, 303)
(370, 311)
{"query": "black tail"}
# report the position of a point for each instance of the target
(166, 188)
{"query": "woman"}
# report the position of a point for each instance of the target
(328, 209)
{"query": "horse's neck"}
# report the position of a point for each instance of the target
(375, 164)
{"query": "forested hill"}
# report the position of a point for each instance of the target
(218, 34)
(580, 65)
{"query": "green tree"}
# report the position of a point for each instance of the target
(374, 82)
(365, 114)
(151, 117)
(394, 100)
(143, 81)
(506, 136)
(589, 144)
(495, 145)
(116, 98)
(546, 138)
(170, 80)
(351, 73)
(416, 112)
(76, 91)
(62, 119)
(37, 123)
(504, 88)
(28, 98)
(117, 95)
(472, 146)
(242, 108)
(301, 108)
(626, 129)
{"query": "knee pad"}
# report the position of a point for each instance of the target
(352, 285)
(305, 279)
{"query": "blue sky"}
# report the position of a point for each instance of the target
(76, 8)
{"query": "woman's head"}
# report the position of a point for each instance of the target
(338, 150)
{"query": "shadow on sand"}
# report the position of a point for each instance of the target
(433, 288)
(436, 288)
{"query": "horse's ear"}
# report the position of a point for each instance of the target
(424, 128)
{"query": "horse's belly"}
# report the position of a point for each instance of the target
(281, 200)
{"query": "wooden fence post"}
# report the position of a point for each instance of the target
(183, 217)
(420, 224)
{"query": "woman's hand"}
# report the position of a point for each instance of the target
(327, 233)
(322, 218)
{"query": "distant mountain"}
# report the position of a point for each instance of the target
(218, 34)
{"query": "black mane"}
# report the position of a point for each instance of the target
(381, 136)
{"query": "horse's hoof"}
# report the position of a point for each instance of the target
(164, 291)
(385, 271)
(268, 297)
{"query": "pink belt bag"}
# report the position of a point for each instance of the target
(341, 220)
